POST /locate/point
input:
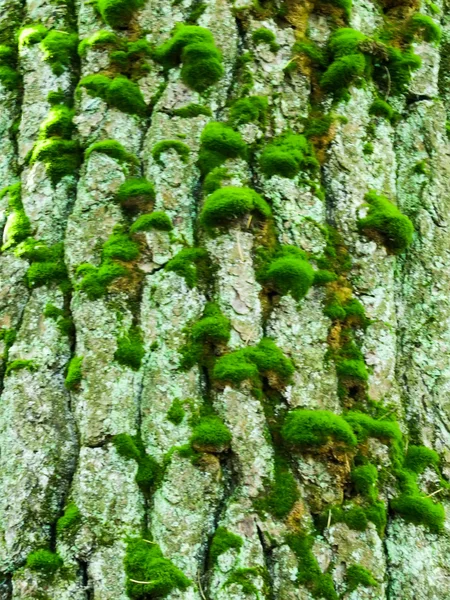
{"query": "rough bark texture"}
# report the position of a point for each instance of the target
(100, 452)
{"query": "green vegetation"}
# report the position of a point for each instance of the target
(19, 226)
(425, 27)
(265, 36)
(132, 448)
(58, 122)
(117, 13)
(384, 221)
(9, 76)
(289, 272)
(59, 48)
(380, 108)
(287, 156)
(213, 181)
(244, 578)
(144, 562)
(229, 203)
(156, 220)
(358, 575)
(308, 429)
(61, 157)
(192, 110)
(188, 263)
(210, 435)
(17, 365)
(99, 38)
(180, 148)
(70, 521)
(365, 426)
(252, 109)
(136, 194)
(120, 246)
(419, 509)
(44, 561)
(194, 47)
(130, 349)
(176, 412)
(47, 263)
(118, 92)
(74, 373)
(62, 317)
(218, 143)
(32, 34)
(114, 150)
(418, 458)
(222, 541)
(265, 360)
(365, 478)
(282, 493)
(97, 279)
(352, 368)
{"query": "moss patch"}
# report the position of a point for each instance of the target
(165, 145)
(231, 203)
(117, 13)
(287, 156)
(118, 92)
(44, 561)
(74, 373)
(156, 220)
(358, 575)
(19, 226)
(176, 412)
(308, 429)
(222, 541)
(289, 272)
(130, 349)
(131, 448)
(218, 143)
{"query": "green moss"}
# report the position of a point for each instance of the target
(176, 412)
(44, 561)
(288, 273)
(194, 47)
(418, 458)
(131, 448)
(130, 349)
(120, 246)
(17, 365)
(117, 13)
(70, 522)
(210, 435)
(213, 181)
(74, 373)
(118, 92)
(315, 428)
(343, 72)
(365, 426)
(136, 194)
(58, 122)
(365, 478)
(19, 226)
(354, 369)
(243, 578)
(59, 48)
(358, 575)
(313, 51)
(32, 34)
(265, 36)
(113, 149)
(385, 221)
(156, 220)
(419, 510)
(254, 363)
(9, 76)
(145, 562)
(287, 156)
(283, 492)
(252, 109)
(96, 280)
(425, 27)
(380, 108)
(48, 263)
(8, 56)
(99, 38)
(192, 110)
(126, 446)
(180, 148)
(368, 148)
(229, 203)
(318, 126)
(400, 67)
(222, 541)
(218, 143)
(60, 157)
(187, 263)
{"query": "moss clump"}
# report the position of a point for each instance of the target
(99, 38)
(230, 203)
(380, 108)
(9, 76)
(252, 109)
(17, 365)
(358, 575)
(19, 226)
(315, 428)
(47, 263)
(222, 541)
(352, 368)
(59, 48)
(365, 478)
(113, 149)
(265, 360)
(70, 521)
(96, 280)
(194, 47)
(192, 110)
(218, 143)
(145, 562)
(289, 272)
(244, 578)
(364, 426)
(282, 494)
(117, 13)
(58, 122)
(60, 157)
(120, 246)
(118, 92)
(130, 349)
(425, 27)
(132, 448)
(287, 156)
(418, 458)
(156, 220)
(187, 263)
(165, 145)
(420, 510)
(176, 412)
(210, 435)
(384, 221)
(136, 194)
(343, 72)
(74, 373)
(44, 561)
(32, 34)
(265, 36)
(213, 181)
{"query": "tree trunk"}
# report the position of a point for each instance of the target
(225, 314)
